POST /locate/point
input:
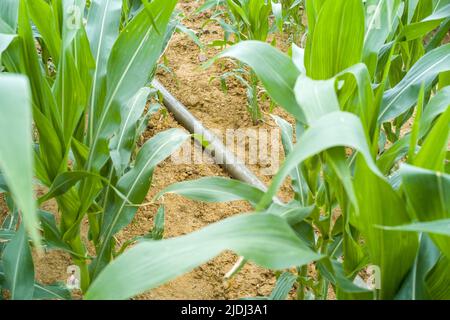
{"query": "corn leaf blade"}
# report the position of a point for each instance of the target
(264, 239)
(18, 267)
(16, 154)
(275, 70)
(404, 95)
(215, 189)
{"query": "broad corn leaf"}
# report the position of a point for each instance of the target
(134, 185)
(16, 153)
(428, 193)
(275, 70)
(265, 239)
(18, 267)
(132, 59)
(337, 40)
(379, 204)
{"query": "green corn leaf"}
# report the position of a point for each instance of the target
(319, 97)
(6, 235)
(337, 40)
(189, 32)
(283, 286)
(334, 272)
(287, 139)
(5, 40)
(57, 7)
(215, 189)
(364, 98)
(298, 57)
(411, 9)
(5, 28)
(275, 70)
(73, 74)
(8, 15)
(380, 19)
(440, 34)
(422, 28)
(428, 193)
(332, 130)
(434, 149)
(16, 154)
(57, 291)
(292, 212)
(157, 232)
(207, 5)
(438, 280)
(404, 95)
(380, 204)
(310, 97)
(52, 235)
(264, 239)
(12, 219)
(414, 286)
(71, 19)
(135, 185)
(238, 11)
(18, 267)
(136, 182)
(132, 59)
(102, 29)
(340, 165)
(123, 143)
(21, 57)
(70, 94)
(439, 227)
(414, 135)
(27, 62)
(313, 8)
(395, 153)
(80, 152)
(44, 18)
(437, 105)
(65, 181)
(85, 64)
(277, 9)
(50, 151)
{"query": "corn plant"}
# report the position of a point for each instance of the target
(369, 190)
(291, 19)
(88, 68)
(16, 163)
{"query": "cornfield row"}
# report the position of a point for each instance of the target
(367, 82)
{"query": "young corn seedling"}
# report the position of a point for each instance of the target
(88, 72)
(360, 202)
(291, 19)
(246, 20)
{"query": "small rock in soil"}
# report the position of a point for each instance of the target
(202, 57)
